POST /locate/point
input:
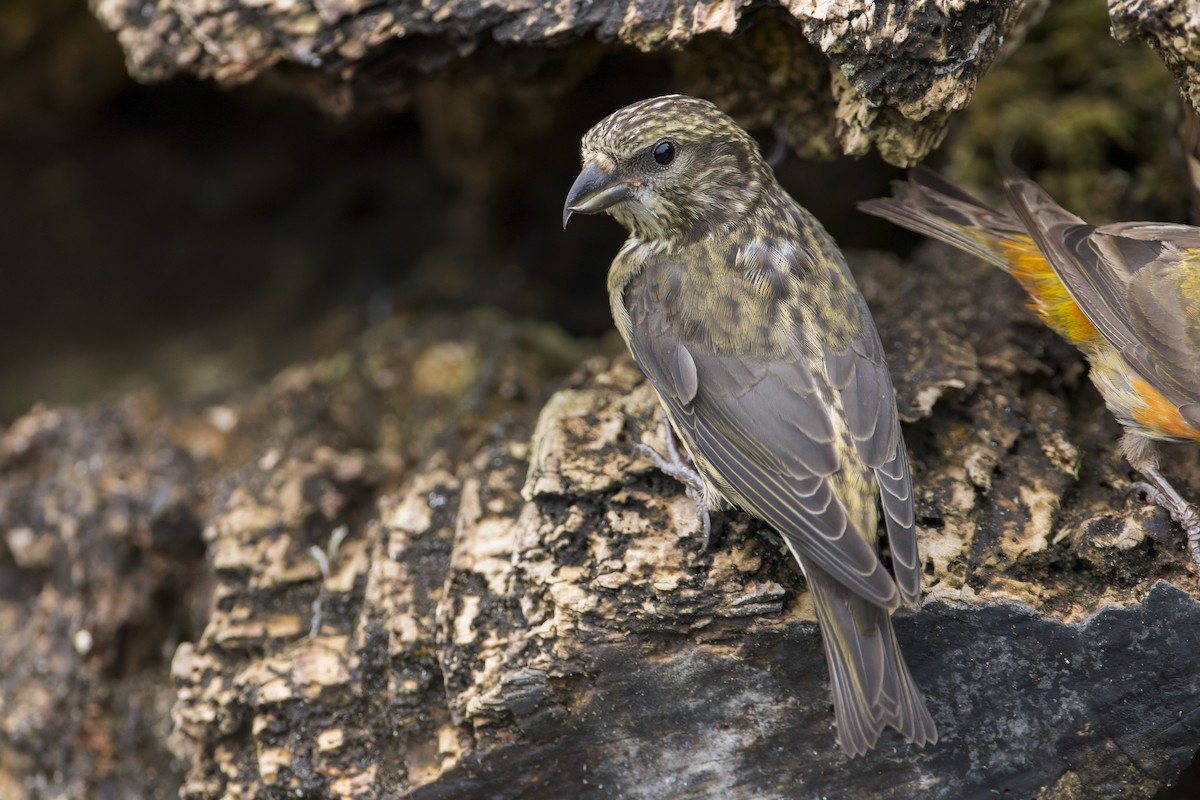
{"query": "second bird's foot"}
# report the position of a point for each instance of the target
(1162, 493)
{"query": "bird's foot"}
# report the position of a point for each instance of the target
(678, 466)
(1162, 493)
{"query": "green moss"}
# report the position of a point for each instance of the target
(1093, 121)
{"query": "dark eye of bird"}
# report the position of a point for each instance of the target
(664, 152)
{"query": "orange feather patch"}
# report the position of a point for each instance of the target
(1159, 414)
(1047, 295)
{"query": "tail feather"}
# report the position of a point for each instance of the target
(872, 688)
(1083, 298)
(932, 206)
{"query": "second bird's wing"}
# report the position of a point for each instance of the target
(762, 432)
(1138, 283)
(1066, 242)
(1162, 302)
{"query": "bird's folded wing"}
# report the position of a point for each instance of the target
(1138, 283)
(764, 432)
(1162, 303)
(1094, 283)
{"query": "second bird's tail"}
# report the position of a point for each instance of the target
(929, 204)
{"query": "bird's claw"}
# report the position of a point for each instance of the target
(1160, 492)
(1189, 518)
(674, 466)
(1151, 492)
(706, 519)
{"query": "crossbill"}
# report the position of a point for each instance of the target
(1127, 295)
(740, 310)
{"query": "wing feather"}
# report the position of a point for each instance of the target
(1065, 241)
(1161, 263)
(763, 435)
(1137, 282)
(1164, 309)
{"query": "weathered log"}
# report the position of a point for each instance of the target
(1172, 29)
(101, 573)
(832, 77)
(421, 573)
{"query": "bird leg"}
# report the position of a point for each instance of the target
(680, 467)
(1162, 493)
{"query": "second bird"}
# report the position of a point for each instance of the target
(740, 310)
(1127, 295)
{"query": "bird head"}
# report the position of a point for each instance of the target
(669, 168)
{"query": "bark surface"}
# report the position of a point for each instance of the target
(431, 567)
(1172, 29)
(830, 77)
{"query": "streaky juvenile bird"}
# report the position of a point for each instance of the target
(740, 310)
(1127, 295)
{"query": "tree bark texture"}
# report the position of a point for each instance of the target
(1172, 29)
(432, 567)
(831, 77)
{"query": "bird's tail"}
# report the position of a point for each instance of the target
(929, 204)
(871, 685)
